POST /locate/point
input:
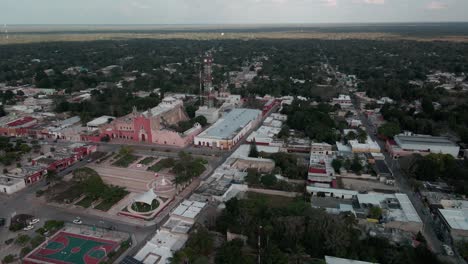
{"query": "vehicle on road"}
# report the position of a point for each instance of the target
(90, 160)
(9, 241)
(2, 221)
(34, 221)
(29, 227)
(448, 250)
(77, 221)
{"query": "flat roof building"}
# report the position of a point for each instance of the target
(406, 144)
(10, 185)
(369, 146)
(397, 210)
(97, 122)
(227, 131)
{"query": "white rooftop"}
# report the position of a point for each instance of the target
(99, 121)
(231, 123)
(161, 247)
(167, 104)
(244, 149)
(407, 213)
(368, 145)
(188, 209)
(456, 218)
(146, 197)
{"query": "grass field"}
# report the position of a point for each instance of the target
(147, 160)
(271, 200)
(162, 164)
(73, 248)
(86, 202)
(125, 161)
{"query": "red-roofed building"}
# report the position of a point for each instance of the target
(26, 121)
(320, 172)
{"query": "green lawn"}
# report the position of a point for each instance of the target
(70, 194)
(125, 161)
(86, 202)
(162, 164)
(107, 204)
(272, 200)
(147, 160)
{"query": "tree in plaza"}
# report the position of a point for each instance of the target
(125, 151)
(337, 164)
(389, 129)
(253, 153)
(52, 176)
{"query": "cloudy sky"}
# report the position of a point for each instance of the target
(228, 11)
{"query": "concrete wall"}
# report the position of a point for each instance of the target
(264, 165)
(9, 189)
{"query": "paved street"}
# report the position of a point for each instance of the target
(404, 187)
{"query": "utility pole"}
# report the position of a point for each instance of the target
(259, 261)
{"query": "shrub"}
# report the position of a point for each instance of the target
(9, 258)
(25, 251)
(16, 227)
(22, 240)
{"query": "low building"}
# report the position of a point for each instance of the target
(320, 172)
(10, 185)
(321, 149)
(397, 210)
(455, 222)
(343, 100)
(172, 235)
(210, 113)
(453, 217)
(369, 146)
(229, 130)
(98, 122)
(407, 144)
(264, 135)
(29, 174)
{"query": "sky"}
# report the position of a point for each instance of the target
(229, 11)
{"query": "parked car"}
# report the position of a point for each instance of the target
(9, 241)
(34, 221)
(29, 227)
(448, 250)
(77, 221)
(2, 221)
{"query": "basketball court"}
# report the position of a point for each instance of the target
(68, 248)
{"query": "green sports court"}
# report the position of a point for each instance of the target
(67, 248)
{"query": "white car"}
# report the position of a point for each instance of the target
(77, 221)
(448, 250)
(34, 221)
(29, 227)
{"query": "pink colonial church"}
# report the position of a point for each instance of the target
(152, 126)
